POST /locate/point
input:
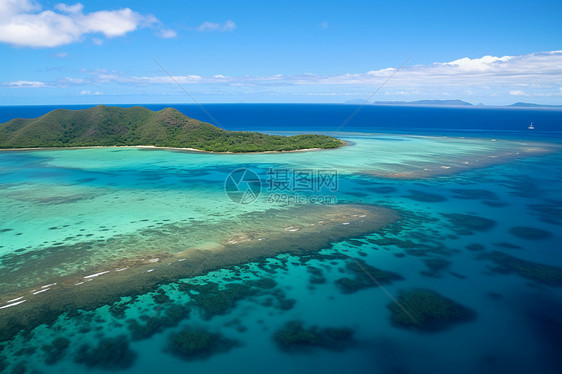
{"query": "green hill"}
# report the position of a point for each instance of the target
(115, 126)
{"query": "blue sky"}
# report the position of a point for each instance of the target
(494, 52)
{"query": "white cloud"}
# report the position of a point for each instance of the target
(72, 80)
(211, 26)
(517, 93)
(26, 84)
(76, 8)
(86, 92)
(324, 25)
(61, 54)
(166, 33)
(24, 24)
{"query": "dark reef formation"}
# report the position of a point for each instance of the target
(529, 233)
(435, 266)
(425, 197)
(464, 224)
(55, 351)
(428, 311)
(364, 276)
(197, 344)
(152, 325)
(294, 337)
(109, 354)
(543, 274)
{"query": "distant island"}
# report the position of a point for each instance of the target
(532, 105)
(425, 103)
(451, 103)
(138, 126)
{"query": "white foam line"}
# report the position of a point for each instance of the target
(79, 283)
(41, 291)
(13, 304)
(49, 285)
(181, 259)
(150, 271)
(154, 260)
(96, 275)
(122, 269)
(345, 223)
(11, 301)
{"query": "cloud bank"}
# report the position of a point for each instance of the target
(535, 74)
(23, 23)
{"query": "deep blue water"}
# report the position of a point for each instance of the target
(331, 117)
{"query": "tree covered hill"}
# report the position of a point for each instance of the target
(115, 126)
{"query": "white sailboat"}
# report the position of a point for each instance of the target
(531, 127)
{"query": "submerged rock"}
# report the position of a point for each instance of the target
(294, 337)
(428, 311)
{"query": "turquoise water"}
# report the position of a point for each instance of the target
(127, 202)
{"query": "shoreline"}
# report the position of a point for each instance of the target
(194, 150)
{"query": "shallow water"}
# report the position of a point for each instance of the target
(74, 211)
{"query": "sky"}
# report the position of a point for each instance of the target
(308, 51)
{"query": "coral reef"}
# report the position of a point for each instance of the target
(428, 311)
(294, 337)
(110, 354)
(171, 317)
(550, 212)
(55, 351)
(195, 344)
(529, 233)
(475, 247)
(464, 224)
(364, 276)
(425, 197)
(435, 266)
(476, 194)
(543, 274)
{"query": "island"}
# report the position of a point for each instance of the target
(107, 126)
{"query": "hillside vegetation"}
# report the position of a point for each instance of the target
(115, 126)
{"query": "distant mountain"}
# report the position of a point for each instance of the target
(532, 105)
(115, 126)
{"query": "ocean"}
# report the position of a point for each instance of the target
(430, 244)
